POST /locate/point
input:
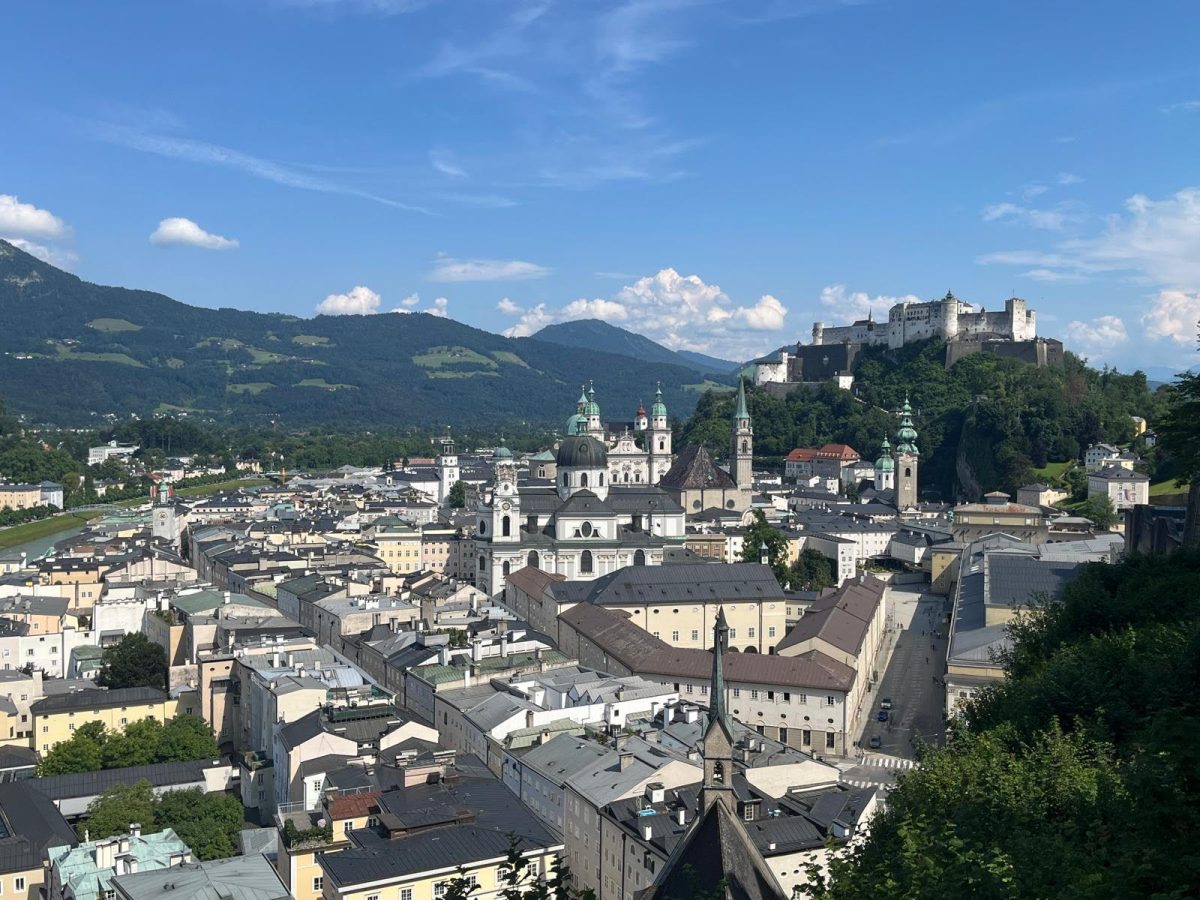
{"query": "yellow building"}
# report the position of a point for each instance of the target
(398, 545)
(20, 496)
(56, 718)
(997, 514)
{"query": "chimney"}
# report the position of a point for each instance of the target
(529, 718)
(225, 598)
(626, 759)
(681, 815)
(476, 650)
(135, 829)
(647, 831)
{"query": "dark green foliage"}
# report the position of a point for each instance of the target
(145, 741)
(760, 533)
(984, 425)
(1100, 510)
(457, 498)
(195, 359)
(134, 662)
(516, 883)
(812, 571)
(1079, 775)
(208, 823)
(317, 834)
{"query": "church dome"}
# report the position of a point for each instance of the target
(502, 453)
(659, 408)
(576, 424)
(581, 451)
(885, 463)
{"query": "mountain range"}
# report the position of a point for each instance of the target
(71, 350)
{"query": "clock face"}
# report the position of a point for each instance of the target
(506, 506)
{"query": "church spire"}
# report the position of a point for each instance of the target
(716, 688)
(717, 744)
(741, 412)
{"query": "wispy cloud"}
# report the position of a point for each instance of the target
(204, 153)
(442, 163)
(449, 269)
(483, 201)
(1186, 106)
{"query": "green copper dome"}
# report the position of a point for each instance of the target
(658, 408)
(502, 453)
(576, 424)
(592, 408)
(906, 435)
(885, 463)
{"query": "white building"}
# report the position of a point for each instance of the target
(111, 450)
(1125, 488)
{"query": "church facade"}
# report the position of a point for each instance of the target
(638, 452)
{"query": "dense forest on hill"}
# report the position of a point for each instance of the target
(1078, 777)
(985, 424)
(71, 352)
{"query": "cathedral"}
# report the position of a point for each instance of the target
(628, 462)
(605, 508)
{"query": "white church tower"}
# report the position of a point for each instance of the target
(448, 471)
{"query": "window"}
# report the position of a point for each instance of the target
(732, 633)
(802, 698)
(737, 692)
(532, 870)
(505, 527)
(829, 740)
(783, 735)
(406, 894)
(71, 727)
(770, 695)
(806, 737)
(318, 882)
(583, 480)
(585, 562)
(19, 883)
(770, 631)
(639, 557)
(372, 897)
(829, 700)
(695, 635)
(750, 631)
(754, 695)
(675, 637)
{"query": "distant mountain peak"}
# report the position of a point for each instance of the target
(597, 334)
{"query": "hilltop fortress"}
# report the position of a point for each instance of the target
(834, 349)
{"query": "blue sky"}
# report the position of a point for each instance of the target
(714, 174)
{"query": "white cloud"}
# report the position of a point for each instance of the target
(56, 256)
(1068, 178)
(27, 220)
(1096, 336)
(447, 268)
(406, 305)
(440, 308)
(851, 306)
(360, 301)
(1049, 219)
(1174, 314)
(184, 232)
(680, 312)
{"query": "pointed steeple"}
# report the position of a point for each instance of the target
(716, 688)
(741, 412)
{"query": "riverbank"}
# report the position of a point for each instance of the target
(32, 531)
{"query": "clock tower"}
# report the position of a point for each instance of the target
(506, 501)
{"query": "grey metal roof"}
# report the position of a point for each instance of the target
(236, 878)
(29, 823)
(680, 583)
(97, 699)
(86, 784)
(464, 838)
(1018, 579)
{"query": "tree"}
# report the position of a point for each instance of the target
(457, 498)
(138, 745)
(208, 823)
(84, 752)
(1179, 436)
(813, 571)
(185, 738)
(112, 812)
(134, 662)
(1100, 510)
(516, 883)
(761, 533)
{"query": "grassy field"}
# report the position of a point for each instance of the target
(311, 340)
(65, 352)
(1164, 488)
(707, 385)
(512, 359)
(113, 325)
(249, 387)
(1052, 471)
(31, 531)
(322, 383)
(437, 357)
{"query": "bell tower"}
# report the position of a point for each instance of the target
(658, 438)
(717, 744)
(908, 458)
(506, 500)
(742, 458)
(448, 471)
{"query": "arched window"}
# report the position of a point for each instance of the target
(639, 558)
(565, 479)
(583, 480)
(662, 445)
(532, 559)
(745, 447)
(505, 568)
(718, 772)
(505, 527)
(637, 476)
(585, 562)
(601, 479)
(907, 472)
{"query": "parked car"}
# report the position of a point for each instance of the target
(883, 715)
(885, 703)
(876, 742)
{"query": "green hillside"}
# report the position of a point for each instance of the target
(594, 334)
(70, 351)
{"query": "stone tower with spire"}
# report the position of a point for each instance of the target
(717, 744)
(907, 460)
(741, 459)
(658, 438)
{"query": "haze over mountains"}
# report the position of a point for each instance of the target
(72, 350)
